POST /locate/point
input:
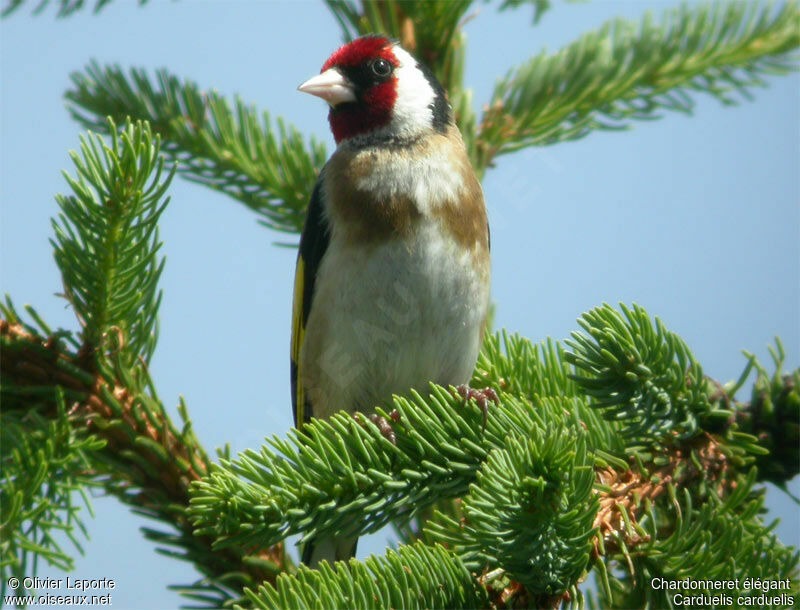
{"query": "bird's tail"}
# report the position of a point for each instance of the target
(331, 548)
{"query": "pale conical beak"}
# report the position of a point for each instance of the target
(331, 86)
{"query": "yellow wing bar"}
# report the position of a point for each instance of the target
(298, 334)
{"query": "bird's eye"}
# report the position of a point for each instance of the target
(381, 67)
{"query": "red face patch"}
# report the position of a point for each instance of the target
(373, 108)
(373, 113)
(360, 50)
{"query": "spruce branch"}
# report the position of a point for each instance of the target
(644, 378)
(773, 416)
(517, 366)
(639, 373)
(625, 72)
(317, 481)
(106, 247)
(540, 447)
(233, 151)
(713, 539)
(540, 7)
(142, 458)
(344, 476)
(530, 512)
(346, 470)
(44, 461)
(431, 577)
(65, 7)
(626, 495)
(106, 240)
(608, 78)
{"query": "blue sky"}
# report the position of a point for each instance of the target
(696, 219)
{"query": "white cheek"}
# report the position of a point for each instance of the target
(412, 109)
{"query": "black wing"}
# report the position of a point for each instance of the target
(313, 245)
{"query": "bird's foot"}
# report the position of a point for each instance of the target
(481, 397)
(383, 425)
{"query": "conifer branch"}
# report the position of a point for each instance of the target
(347, 476)
(540, 7)
(701, 539)
(626, 72)
(440, 449)
(106, 241)
(772, 416)
(106, 246)
(142, 458)
(618, 457)
(344, 475)
(65, 7)
(625, 494)
(608, 78)
(318, 479)
(44, 461)
(233, 151)
(431, 577)
(639, 373)
(645, 379)
(535, 496)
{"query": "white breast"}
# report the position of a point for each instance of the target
(428, 177)
(403, 314)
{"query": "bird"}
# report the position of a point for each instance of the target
(392, 281)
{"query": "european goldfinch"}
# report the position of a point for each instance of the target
(392, 283)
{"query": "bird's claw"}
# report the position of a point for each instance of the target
(481, 397)
(383, 425)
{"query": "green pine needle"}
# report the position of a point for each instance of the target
(234, 151)
(106, 239)
(530, 512)
(43, 460)
(638, 374)
(628, 71)
(416, 576)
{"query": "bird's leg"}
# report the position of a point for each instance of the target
(482, 397)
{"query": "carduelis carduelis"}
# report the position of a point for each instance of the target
(392, 283)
